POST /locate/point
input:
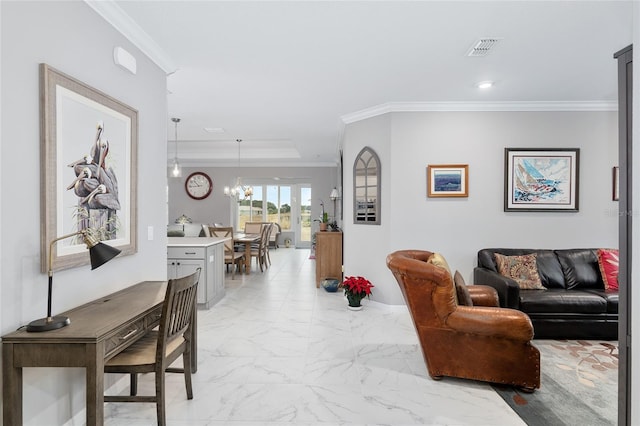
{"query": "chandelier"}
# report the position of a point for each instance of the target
(238, 190)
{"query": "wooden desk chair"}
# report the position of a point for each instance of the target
(231, 257)
(157, 350)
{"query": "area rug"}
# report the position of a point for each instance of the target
(578, 385)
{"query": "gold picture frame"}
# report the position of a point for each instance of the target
(448, 180)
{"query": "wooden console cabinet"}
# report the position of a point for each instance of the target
(328, 256)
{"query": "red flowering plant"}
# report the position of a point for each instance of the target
(356, 288)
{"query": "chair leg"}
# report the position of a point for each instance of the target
(186, 361)
(133, 387)
(233, 270)
(160, 388)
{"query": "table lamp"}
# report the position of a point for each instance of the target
(99, 253)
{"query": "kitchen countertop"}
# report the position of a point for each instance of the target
(195, 241)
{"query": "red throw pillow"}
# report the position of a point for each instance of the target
(608, 260)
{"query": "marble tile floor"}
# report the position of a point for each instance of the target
(277, 351)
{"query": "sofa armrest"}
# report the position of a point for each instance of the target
(508, 289)
(488, 321)
(483, 295)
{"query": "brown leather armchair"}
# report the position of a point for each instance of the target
(485, 343)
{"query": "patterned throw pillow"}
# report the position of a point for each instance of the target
(523, 269)
(608, 261)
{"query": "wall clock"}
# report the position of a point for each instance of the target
(198, 185)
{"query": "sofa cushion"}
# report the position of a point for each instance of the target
(580, 268)
(564, 301)
(610, 297)
(464, 298)
(608, 262)
(523, 269)
(549, 270)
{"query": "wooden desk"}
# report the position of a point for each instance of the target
(98, 331)
(247, 239)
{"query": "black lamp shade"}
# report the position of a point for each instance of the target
(101, 254)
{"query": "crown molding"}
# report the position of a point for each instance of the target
(476, 106)
(123, 23)
(254, 165)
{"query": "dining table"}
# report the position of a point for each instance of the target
(247, 240)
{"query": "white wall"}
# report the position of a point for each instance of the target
(366, 246)
(459, 227)
(72, 38)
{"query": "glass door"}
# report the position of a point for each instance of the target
(303, 228)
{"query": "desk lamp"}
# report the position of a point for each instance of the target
(99, 254)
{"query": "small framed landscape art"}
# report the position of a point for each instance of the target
(89, 162)
(448, 180)
(544, 180)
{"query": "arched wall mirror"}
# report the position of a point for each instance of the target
(366, 188)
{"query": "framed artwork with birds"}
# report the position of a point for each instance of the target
(89, 146)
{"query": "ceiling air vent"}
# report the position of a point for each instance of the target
(483, 46)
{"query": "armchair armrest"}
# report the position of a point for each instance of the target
(483, 295)
(508, 289)
(496, 322)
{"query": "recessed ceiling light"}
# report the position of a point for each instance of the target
(484, 84)
(214, 129)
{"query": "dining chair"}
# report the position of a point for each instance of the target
(275, 232)
(258, 249)
(267, 241)
(253, 227)
(231, 257)
(158, 349)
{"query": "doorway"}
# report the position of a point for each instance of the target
(303, 230)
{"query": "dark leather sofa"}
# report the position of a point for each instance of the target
(574, 303)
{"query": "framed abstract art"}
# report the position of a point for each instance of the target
(544, 180)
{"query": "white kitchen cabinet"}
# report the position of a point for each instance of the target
(185, 255)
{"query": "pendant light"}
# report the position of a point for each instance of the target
(239, 191)
(176, 170)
